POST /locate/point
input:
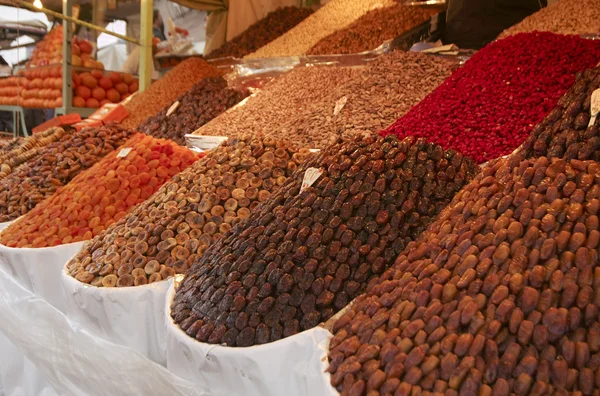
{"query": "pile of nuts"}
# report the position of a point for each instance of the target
(167, 89)
(498, 297)
(372, 29)
(262, 32)
(313, 106)
(309, 250)
(488, 107)
(565, 133)
(55, 166)
(206, 100)
(565, 17)
(23, 150)
(168, 232)
(333, 16)
(102, 195)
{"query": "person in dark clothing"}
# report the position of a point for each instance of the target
(158, 26)
(473, 24)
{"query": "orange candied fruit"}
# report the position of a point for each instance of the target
(100, 196)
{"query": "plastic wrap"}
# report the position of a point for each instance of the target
(39, 270)
(74, 361)
(292, 366)
(129, 316)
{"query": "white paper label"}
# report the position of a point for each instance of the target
(204, 142)
(123, 153)
(594, 106)
(314, 150)
(339, 105)
(310, 177)
(172, 109)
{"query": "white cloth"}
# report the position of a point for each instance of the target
(39, 270)
(74, 361)
(293, 366)
(129, 316)
(132, 64)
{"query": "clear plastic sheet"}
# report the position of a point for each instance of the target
(128, 316)
(74, 361)
(293, 366)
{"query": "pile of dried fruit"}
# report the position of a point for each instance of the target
(23, 150)
(312, 106)
(497, 297)
(303, 255)
(565, 133)
(167, 233)
(564, 17)
(56, 165)
(333, 16)
(372, 29)
(102, 195)
(167, 89)
(489, 106)
(206, 100)
(262, 32)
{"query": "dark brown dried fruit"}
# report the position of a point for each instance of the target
(265, 245)
(206, 100)
(525, 323)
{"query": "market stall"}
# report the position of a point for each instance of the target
(349, 217)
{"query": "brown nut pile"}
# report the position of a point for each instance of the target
(167, 89)
(303, 255)
(262, 32)
(372, 29)
(565, 17)
(206, 100)
(165, 235)
(498, 297)
(565, 133)
(333, 16)
(23, 150)
(300, 106)
(55, 166)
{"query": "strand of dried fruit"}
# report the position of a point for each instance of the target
(564, 17)
(301, 105)
(488, 107)
(333, 16)
(565, 133)
(28, 148)
(499, 296)
(303, 255)
(169, 231)
(167, 89)
(100, 196)
(372, 29)
(57, 165)
(206, 100)
(262, 32)
(11, 144)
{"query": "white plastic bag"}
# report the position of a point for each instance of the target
(292, 366)
(39, 270)
(74, 361)
(129, 316)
